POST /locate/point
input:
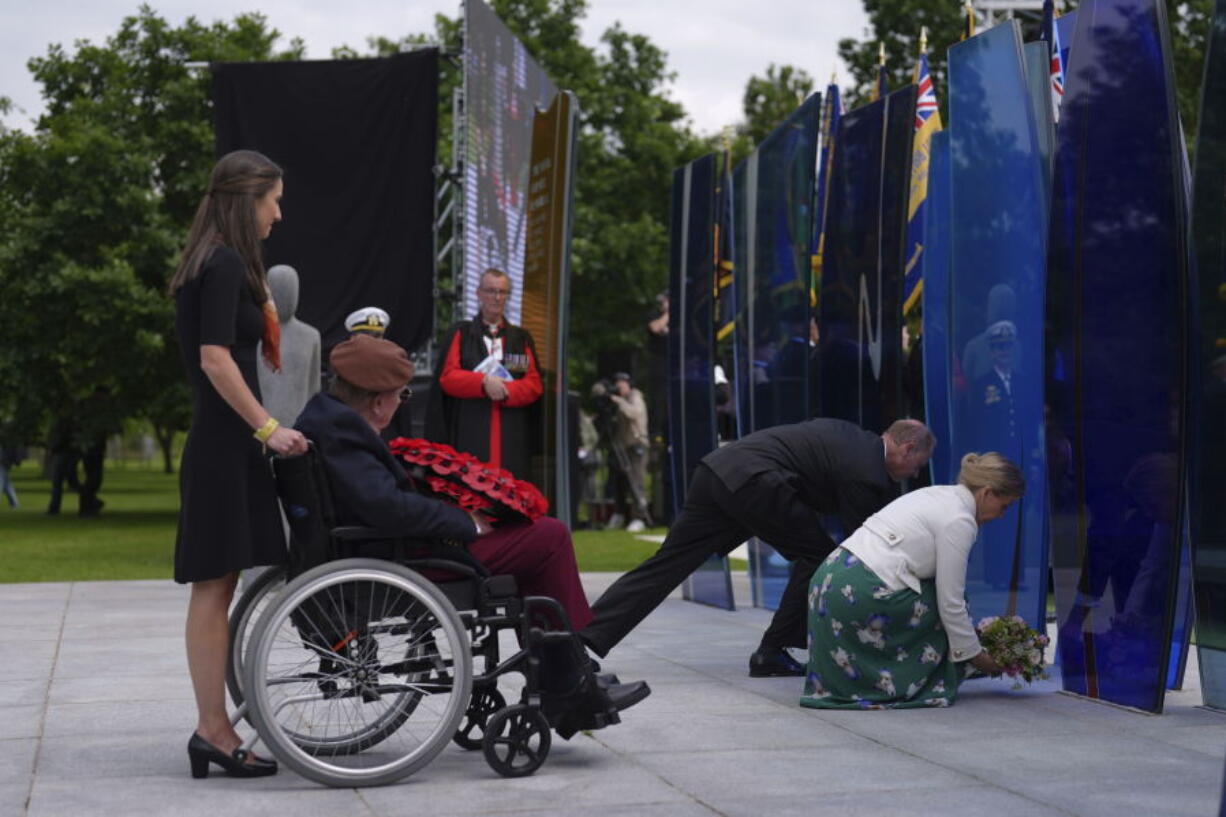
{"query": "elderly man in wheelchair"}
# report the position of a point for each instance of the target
(378, 657)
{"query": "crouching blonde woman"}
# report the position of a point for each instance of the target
(888, 623)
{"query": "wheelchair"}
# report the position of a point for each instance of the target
(357, 670)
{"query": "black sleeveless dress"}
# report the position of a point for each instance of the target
(228, 517)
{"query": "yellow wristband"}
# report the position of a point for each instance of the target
(265, 431)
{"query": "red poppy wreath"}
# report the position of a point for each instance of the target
(462, 479)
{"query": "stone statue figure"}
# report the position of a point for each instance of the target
(287, 391)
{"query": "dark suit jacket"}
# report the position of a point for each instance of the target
(834, 466)
(369, 487)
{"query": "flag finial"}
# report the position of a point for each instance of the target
(881, 53)
(969, 29)
(923, 40)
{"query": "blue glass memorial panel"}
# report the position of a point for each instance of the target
(691, 388)
(863, 262)
(1208, 382)
(938, 374)
(1038, 84)
(1117, 349)
(998, 252)
(775, 360)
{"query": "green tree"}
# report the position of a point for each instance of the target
(896, 24)
(771, 99)
(93, 205)
(1190, 21)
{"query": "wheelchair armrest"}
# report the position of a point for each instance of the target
(433, 563)
(352, 533)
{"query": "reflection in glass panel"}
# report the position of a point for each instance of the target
(937, 375)
(1038, 84)
(691, 393)
(1116, 353)
(1208, 382)
(998, 278)
(862, 266)
(775, 360)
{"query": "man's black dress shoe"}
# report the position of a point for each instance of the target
(624, 696)
(773, 661)
(240, 763)
(595, 707)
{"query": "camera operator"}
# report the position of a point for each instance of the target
(624, 416)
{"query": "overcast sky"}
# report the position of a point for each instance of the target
(713, 52)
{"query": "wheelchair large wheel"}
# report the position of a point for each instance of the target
(358, 673)
(251, 604)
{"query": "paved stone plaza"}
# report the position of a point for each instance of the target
(95, 712)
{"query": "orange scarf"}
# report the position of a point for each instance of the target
(272, 335)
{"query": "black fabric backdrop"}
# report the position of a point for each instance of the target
(356, 139)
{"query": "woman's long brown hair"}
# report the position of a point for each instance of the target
(226, 215)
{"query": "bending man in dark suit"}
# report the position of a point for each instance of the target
(371, 489)
(772, 484)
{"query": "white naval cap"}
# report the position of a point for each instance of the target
(369, 319)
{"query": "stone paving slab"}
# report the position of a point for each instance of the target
(96, 709)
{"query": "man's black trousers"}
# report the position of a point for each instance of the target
(716, 520)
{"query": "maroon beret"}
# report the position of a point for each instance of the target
(372, 363)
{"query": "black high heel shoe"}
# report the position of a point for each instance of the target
(239, 764)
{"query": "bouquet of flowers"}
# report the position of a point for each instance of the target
(464, 480)
(1015, 647)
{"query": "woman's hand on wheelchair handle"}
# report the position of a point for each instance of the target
(287, 442)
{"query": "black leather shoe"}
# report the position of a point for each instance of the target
(607, 679)
(768, 662)
(624, 696)
(595, 708)
(240, 763)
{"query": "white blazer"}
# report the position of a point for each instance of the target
(923, 535)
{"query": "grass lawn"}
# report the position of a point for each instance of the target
(134, 538)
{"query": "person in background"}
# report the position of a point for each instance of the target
(655, 388)
(229, 518)
(629, 462)
(11, 455)
(62, 460)
(488, 383)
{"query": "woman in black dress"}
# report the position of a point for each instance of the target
(229, 518)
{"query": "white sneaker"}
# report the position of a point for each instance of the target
(636, 526)
(616, 521)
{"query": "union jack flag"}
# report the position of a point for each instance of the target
(1057, 72)
(926, 104)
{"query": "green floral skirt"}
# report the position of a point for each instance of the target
(871, 647)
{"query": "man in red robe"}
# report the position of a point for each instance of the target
(489, 383)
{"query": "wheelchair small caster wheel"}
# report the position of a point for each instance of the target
(485, 702)
(516, 740)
